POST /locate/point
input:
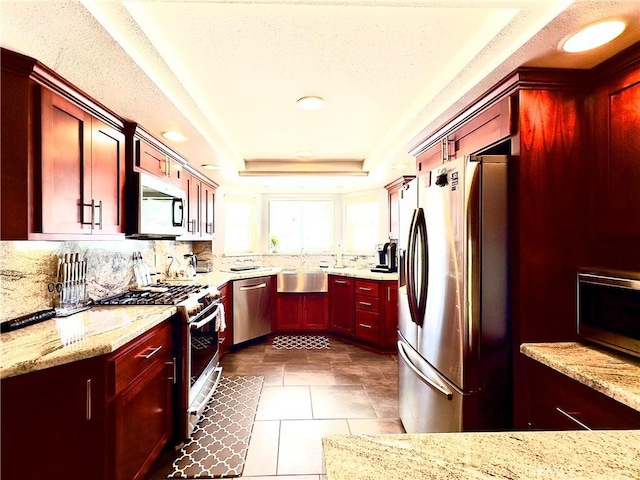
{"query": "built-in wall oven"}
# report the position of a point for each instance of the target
(609, 309)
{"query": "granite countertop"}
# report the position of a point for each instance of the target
(94, 332)
(614, 374)
(219, 278)
(495, 455)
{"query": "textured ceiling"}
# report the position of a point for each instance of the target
(228, 73)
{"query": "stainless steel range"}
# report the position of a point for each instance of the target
(196, 339)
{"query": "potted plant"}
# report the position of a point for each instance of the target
(274, 243)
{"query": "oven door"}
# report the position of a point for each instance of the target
(204, 372)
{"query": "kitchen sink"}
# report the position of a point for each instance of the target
(302, 280)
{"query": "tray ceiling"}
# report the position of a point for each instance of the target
(228, 73)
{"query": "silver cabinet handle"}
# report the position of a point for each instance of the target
(88, 402)
(363, 325)
(173, 377)
(99, 216)
(253, 287)
(151, 353)
(366, 304)
(366, 289)
(341, 282)
(572, 418)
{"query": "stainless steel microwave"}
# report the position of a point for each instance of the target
(160, 208)
(609, 309)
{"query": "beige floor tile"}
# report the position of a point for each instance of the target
(284, 403)
(341, 401)
(262, 455)
(359, 426)
(301, 445)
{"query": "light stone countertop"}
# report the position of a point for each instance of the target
(94, 332)
(614, 374)
(495, 455)
(219, 278)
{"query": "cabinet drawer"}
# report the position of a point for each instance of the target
(137, 357)
(367, 303)
(367, 325)
(364, 287)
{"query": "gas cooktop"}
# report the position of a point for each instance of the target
(160, 294)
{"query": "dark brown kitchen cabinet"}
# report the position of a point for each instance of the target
(341, 304)
(367, 311)
(557, 402)
(63, 158)
(141, 378)
(103, 418)
(226, 300)
(199, 210)
(150, 155)
(301, 311)
(52, 423)
(393, 190)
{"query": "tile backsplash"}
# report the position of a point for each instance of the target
(26, 268)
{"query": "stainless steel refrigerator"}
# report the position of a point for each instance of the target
(454, 341)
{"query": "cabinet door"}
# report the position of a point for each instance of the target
(558, 402)
(288, 311)
(107, 177)
(193, 207)
(226, 337)
(389, 335)
(206, 211)
(66, 157)
(341, 304)
(52, 423)
(367, 325)
(315, 312)
(143, 422)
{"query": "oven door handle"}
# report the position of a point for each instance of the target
(195, 410)
(205, 320)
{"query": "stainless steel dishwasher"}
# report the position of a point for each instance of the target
(251, 308)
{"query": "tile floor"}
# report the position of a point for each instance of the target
(308, 394)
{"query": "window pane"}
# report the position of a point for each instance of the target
(301, 224)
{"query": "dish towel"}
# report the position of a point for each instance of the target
(221, 323)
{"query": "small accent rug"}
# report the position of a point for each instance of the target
(301, 342)
(219, 443)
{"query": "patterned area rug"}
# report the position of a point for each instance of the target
(219, 443)
(300, 342)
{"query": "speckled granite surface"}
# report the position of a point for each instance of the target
(83, 335)
(615, 375)
(504, 455)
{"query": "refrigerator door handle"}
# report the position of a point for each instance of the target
(417, 299)
(441, 388)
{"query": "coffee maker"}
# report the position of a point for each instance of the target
(387, 260)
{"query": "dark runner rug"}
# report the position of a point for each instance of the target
(300, 342)
(219, 443)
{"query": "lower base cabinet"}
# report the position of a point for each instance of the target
(104, 418)
(301, 311)
(557, 402)
(52, 423)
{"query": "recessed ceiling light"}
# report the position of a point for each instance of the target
(175, 136)
(311, 103)
(304, 154)
(593, 36)
(210, 166)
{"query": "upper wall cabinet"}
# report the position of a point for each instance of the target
(200, 204)
(63, 158)
(394, 204)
